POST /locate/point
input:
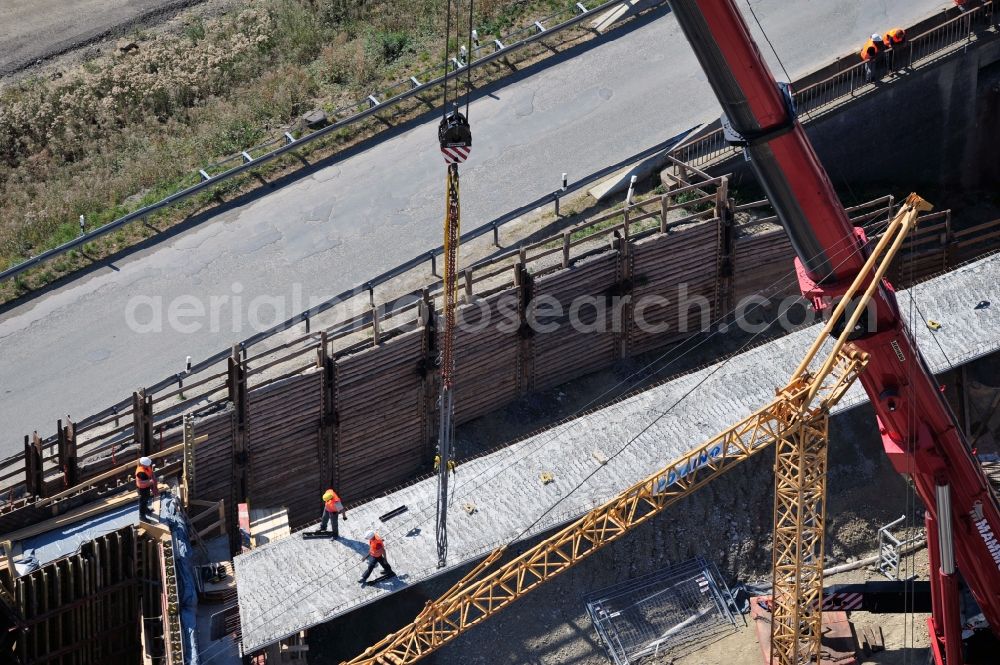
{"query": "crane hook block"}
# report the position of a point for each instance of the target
(454, 131)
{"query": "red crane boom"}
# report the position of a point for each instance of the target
(918, 429)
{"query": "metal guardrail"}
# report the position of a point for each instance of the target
(947, 35)
(368, 286)
(534, 33)
(712, 146)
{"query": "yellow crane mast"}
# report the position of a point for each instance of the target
(796, 421)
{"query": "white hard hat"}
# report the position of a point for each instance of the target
(369, 535)
(145, 461)
(876, 37)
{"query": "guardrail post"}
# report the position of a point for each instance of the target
(434, 265)
(496, 235)
(555, 199)
(189, 473)
(621, 312)
(376, 331)
(948, 240)
(67, 452)
(427, 367)
(239, 488)
(727, 249)
(722, 197)
(664, 209)
(567, 239)
(468, 285)
(34, 479)
(524, 285)
(142, 421)
(329, 453)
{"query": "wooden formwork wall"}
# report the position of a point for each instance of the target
(488, 367)
(682, 267)
(762, 263)
(213, 459)
(84, 608)
(382, 431)
(365, 420)
(283, 446)
(575, 342)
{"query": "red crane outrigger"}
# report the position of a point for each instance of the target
(919, 431)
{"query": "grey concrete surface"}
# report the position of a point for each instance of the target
(72, 351)
(32, 30)
(294, 583)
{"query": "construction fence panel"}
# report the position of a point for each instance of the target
(675, 291)
(487, 355)
(572, 319)
(283, 446)
(382, 437)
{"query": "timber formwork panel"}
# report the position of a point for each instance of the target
(762, 263)
(582, 338)
(84, 608)
(382, 428)
(213, 458)
(682, 267)
(487, 355)
(283, 445)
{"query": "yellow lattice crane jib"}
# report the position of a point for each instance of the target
(795, 421)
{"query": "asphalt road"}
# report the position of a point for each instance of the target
(74, 352)
(31, 30)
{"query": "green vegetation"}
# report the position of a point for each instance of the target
(125, 129)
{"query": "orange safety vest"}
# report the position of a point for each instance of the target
(865, 55)
(895, 36)
(144, 477)
(376, 547)
(334, 505)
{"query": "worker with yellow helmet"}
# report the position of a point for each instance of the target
(331, 507)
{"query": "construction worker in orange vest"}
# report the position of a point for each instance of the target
(894, 40)
(376, 555)
(145, 483)
(332, 506)
(872, 53)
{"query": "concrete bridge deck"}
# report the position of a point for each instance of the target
(292, 584)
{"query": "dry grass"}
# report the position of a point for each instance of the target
(124, 130)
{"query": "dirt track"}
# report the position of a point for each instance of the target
(32, 30)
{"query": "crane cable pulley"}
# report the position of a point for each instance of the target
(455, 140)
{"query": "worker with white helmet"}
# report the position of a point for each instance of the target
(376, 555)
(145, 483)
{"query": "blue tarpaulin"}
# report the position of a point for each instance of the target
(172, 516)
(58, 543)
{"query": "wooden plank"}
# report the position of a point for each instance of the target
(269, 524)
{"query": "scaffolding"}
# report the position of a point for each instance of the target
(671, 612)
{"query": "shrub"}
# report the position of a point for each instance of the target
(388, 46)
